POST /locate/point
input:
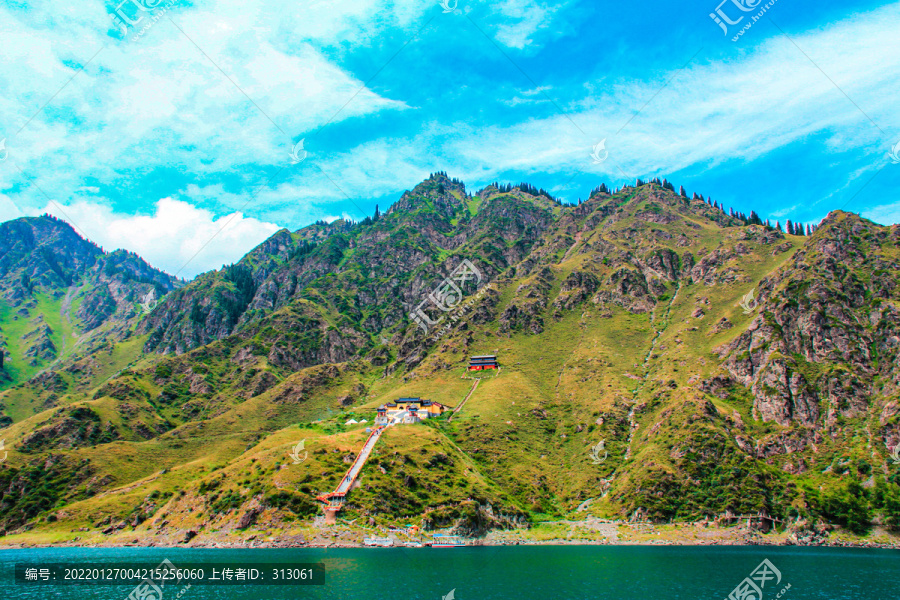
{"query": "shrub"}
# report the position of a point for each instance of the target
(849, 507)
(887, 497)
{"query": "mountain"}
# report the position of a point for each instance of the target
(721, 366)
(62, 296)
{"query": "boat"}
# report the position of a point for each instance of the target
(377, 541)
(447, 541)
(413, 544)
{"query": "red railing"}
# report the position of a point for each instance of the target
(327, 498)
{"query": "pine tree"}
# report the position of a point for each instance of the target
(377, 214)
(789, 227)
(808, 229)
(682, 192)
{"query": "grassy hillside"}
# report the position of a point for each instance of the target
(618, 321)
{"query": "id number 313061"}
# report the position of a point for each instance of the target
(292, 574)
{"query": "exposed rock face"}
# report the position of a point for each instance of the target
(80, 427)
(249, 518)
(782, 395)
(40, 345)
(629, 290)
(578, 287)
(524, 314)
(787, 443)
(260, 383)
(810, 352)
(665, 264)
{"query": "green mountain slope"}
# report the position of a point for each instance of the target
(623, 320)
(62, 297)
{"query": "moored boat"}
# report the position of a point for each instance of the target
(439, 540)
(377, 541)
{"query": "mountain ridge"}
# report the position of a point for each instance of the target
(623, 319)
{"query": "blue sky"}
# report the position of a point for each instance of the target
(171, 137)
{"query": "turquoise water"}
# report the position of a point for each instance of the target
(513, 573)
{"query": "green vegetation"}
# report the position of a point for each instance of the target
(619, 321)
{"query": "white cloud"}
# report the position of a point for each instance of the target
(159, 102)
(724, 110)
(711, 113)
(887, 214)
(175, 234)
(8, 209)
(529, 18)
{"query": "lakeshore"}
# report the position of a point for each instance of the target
(586, 532)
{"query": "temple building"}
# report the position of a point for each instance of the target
(480, 363)
(408, 410)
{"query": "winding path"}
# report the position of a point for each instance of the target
(459, 408)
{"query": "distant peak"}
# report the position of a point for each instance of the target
(440, 179)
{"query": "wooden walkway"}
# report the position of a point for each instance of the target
(335, 499)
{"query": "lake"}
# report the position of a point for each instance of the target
(511, 572)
